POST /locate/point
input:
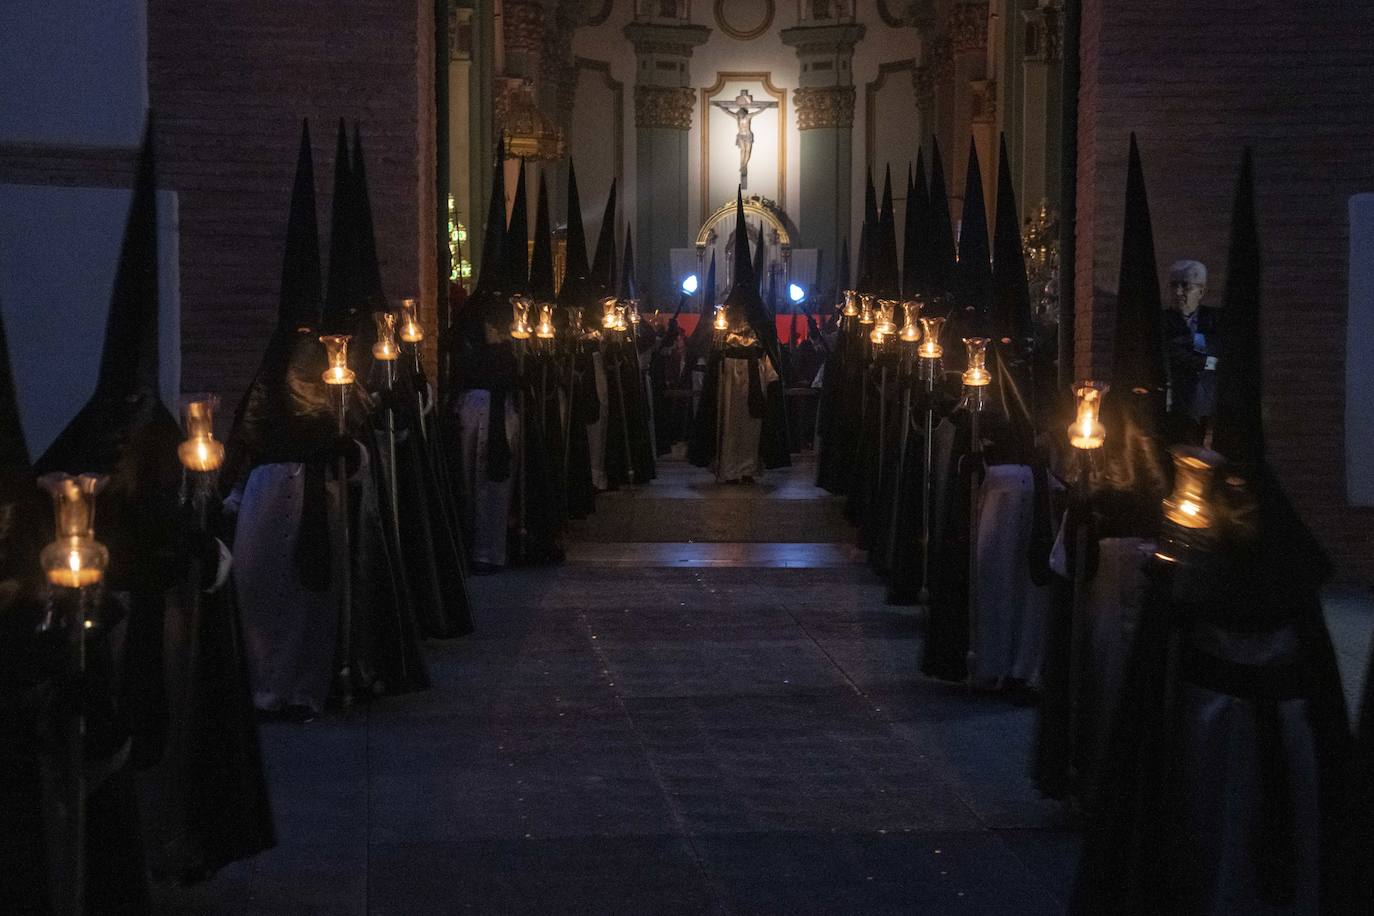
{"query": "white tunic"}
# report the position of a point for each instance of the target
(486, 502)
(289, 632)
(1007, 633)
(740, 433)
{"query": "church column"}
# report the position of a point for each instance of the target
(974, 101)
(825, 119)
(1043, 106)
(664, 102)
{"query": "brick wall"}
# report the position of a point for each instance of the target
(1196, 82)
(230, 81)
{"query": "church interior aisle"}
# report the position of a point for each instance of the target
(725, 739)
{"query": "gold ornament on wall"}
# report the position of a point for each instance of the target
(741, 29)
(827, 106)
(664, 106)
(528, 133)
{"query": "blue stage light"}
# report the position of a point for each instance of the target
(795, 292)
(689, 285)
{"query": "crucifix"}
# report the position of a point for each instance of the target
(743, 109)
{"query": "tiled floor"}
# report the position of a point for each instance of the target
(670, 727)
(673, 726)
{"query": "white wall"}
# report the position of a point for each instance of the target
(59, 249)
(73, 72)
(767, 53)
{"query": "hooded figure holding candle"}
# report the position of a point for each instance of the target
(509, 512)
(584, 378)
(1109, 526)
(413, 479)
(1001, 508)
(182, 676)
(741, 428)
(329, 603)
(1228, 782)
(40, 694)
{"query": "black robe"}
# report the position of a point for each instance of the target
(584, 407)
(766, 404)
(1201, 621)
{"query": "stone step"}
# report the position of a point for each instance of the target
(685, 504)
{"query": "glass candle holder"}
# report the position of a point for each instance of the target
(1188, 506)
(75, 558)
(876, 335)
(336, 354)
(201, 451)
(1086, 431)
(410, 329)
(544, 330)
(520, 318)
(608, 313)
(622, 321)
(385, 348)
(722, 321)
(886, 316)
(911, 331)
(866, 310)
(575, 314)
(632, 310)
(851, 304)
(931, 329)
(977, 375)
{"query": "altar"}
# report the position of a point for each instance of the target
(786, 273)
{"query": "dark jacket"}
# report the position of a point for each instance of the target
(1192, 387)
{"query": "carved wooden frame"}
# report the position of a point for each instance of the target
(765, 78)
(744, 34)
(871, 91)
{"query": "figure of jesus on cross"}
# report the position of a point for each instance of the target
(743, 109)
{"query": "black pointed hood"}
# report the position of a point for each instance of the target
(541, 262)
(14, 452)
(1133, 410)
(516, 254)
(941, 264)
(576, 273)
(1238, 427)
(1283, 555)
(974, 270)
(868, 236)
(286, 415)
(743, 299)
(889, 278)
(760, 258)
(742, 264)
(21, 507)
(479, 341)
(629, 289)
(842, 273)
(491, 275)
(915, 229)
(1011, 305)
(341, 291)
(125, 430)
(1138, 342)
(371, 292)
(700, 340)
(709, 298)
(302, 291)
(603, 262)
(130, 359)
(1009, 321)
